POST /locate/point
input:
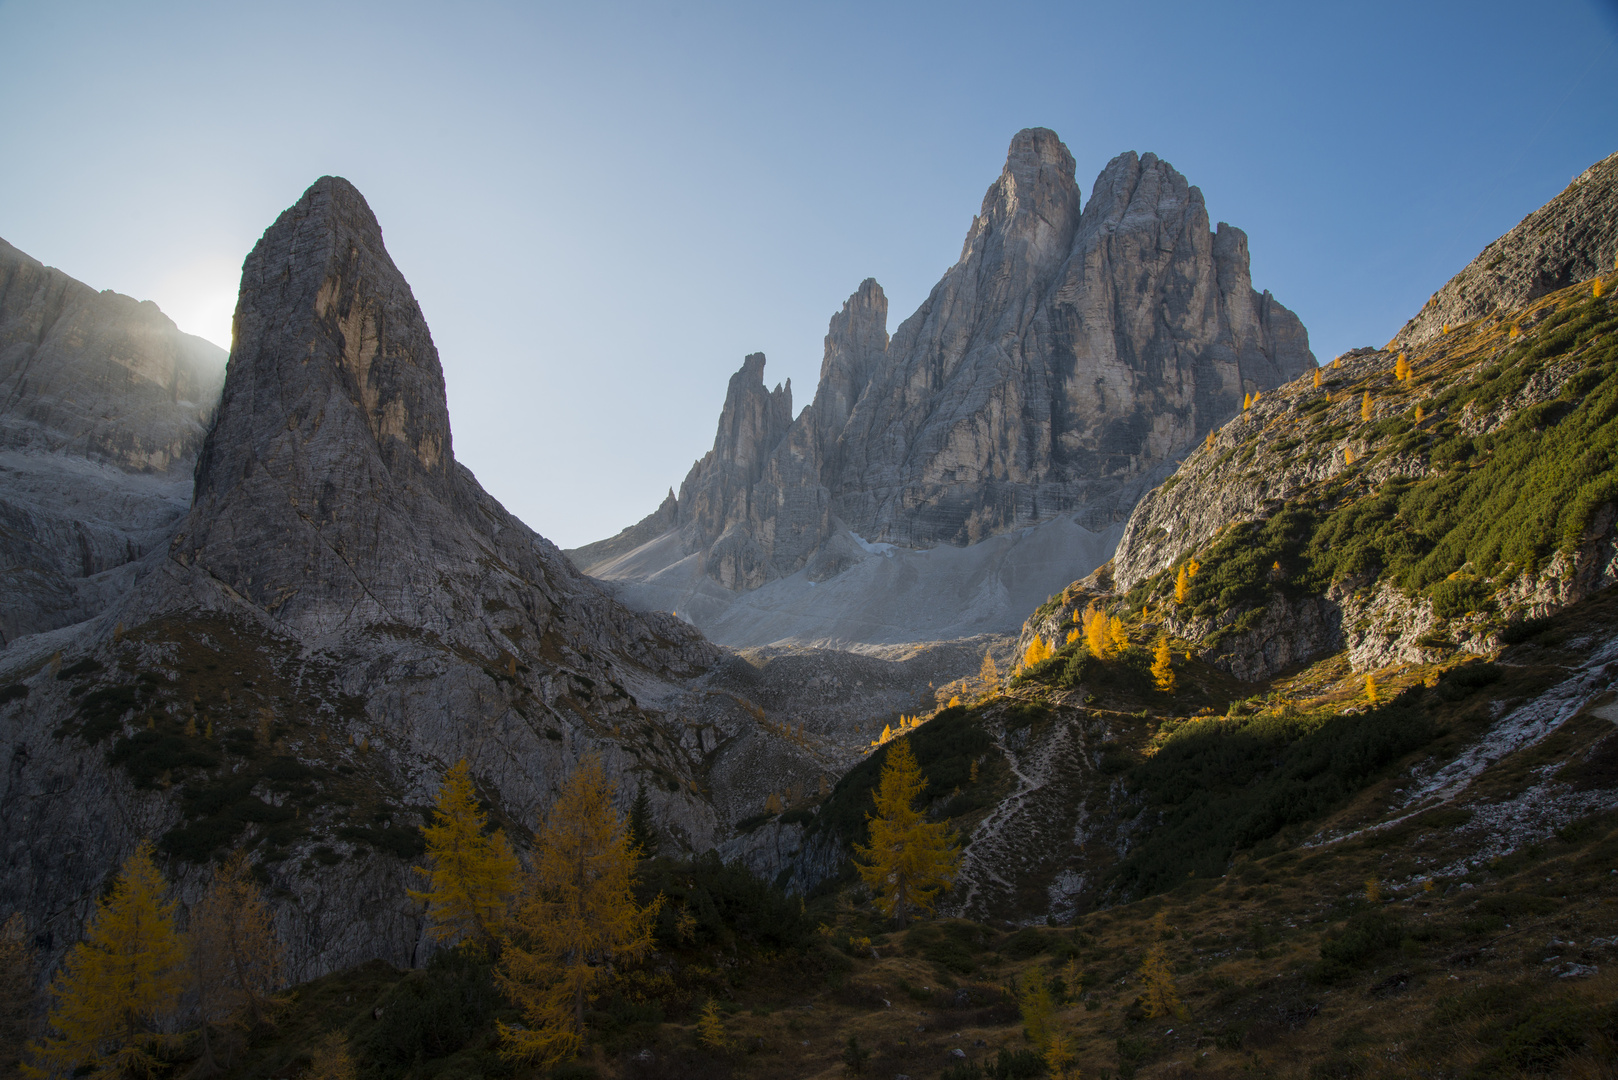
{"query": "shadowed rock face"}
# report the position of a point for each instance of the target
(1059, 368)
(1570, 239)
(103, 407)
(343, 587)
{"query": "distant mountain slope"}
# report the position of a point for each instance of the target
(1059, 368)
(103, 407)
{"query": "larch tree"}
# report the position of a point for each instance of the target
(1401, 368)
(576, 919)
(117, 985)
(472, 874)
(909, 860)
(235, 960)
(16, 990)
(1365, 406)
(1317, 378)
(1182, 586)
(988, 674)
(1038, 1008)
(1161, 996)
(1371, 694)
(1163, 668)
(1037, 651)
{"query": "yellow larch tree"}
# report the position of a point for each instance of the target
(1401, 368)
(577, 918)
(234, 960)
(1365, 406)
(988, 674)
(1162, 668)
(1060, 1060)
(1317, 378)
(1117, 636)
(1037, 651)
(908, 860)
(472, 875)
(1209, 442)
(1161, 996)
(1182, 586)
(711, 1027)
(117, 985)
(1247, 402)
(1038, 1008)
(1370, 687)
(1421, 414)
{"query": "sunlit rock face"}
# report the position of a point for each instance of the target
(103, 406)
(1059, 368)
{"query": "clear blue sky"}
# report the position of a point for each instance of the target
(602, 207)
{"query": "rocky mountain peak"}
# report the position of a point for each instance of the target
(856, 342)
(1029, 212)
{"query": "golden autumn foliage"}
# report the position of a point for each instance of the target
(908, 860)
(988, 674)
(1182, 586)
(471, 877)
(1516, 332)
(1370, 687)
(331, 1060)
(1060, 1060)
(234, 961)
(1401, 368)
(117, 985)
(1162, 668)
(1421, 414)
(1599, 289)
(577, 917)
(1037, 651)
(1317, 378)
(1348, 455)
(1209, 442)
(1247, 401)
(1038, 1008)
(711, 1027)
(1365, 406)
(1161, 996)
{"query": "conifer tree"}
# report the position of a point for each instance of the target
(577, 918)
(1161, 997)
(1103, 635)
(1247, 402)
(1370, 687)
(234, 961)
(1059, 1057)
(1365, 406)
(642, 832)
(1162, 668)
(711, 1027)
(988, 674)
(1182, 586)
(1038, 1008)
(1421, 414)
(1317, 378)
(1209, 442)
(908, 860)
(1401, 368)
(1036, 652)
(1117, 636)
(16, 991)
(117, 985)
(471, 877)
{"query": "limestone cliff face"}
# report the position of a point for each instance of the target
(103, 407)
(1067, 359)
(344, 604)
(1572, 238)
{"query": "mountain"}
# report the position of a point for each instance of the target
(1058, 369)
(103, 407)
(1570, 239)
(340, 615)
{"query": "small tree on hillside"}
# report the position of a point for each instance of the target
(1038, 1008)
(1161, 997)
(1037, 651)
(1401, 368)
(577, 918)
(1162, 667)
(471, 876)
(642, 832)
(1365, 406)
(234, 961)
(908, 860)
(118, 984)
(1182, 586)
(988, 674)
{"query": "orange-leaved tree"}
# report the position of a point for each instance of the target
(988, 674)
(1401, 368)
(909, 860)
(1037, 651)
(1365, 406)
(1162, 667)
(576, 919)
(235, 961)
(472, 874)
(118, 985)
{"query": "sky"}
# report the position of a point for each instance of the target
(603, 207)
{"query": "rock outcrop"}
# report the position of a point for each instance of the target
(103, 407)
(1570, 239)
(342, 613)
(1065, 362)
